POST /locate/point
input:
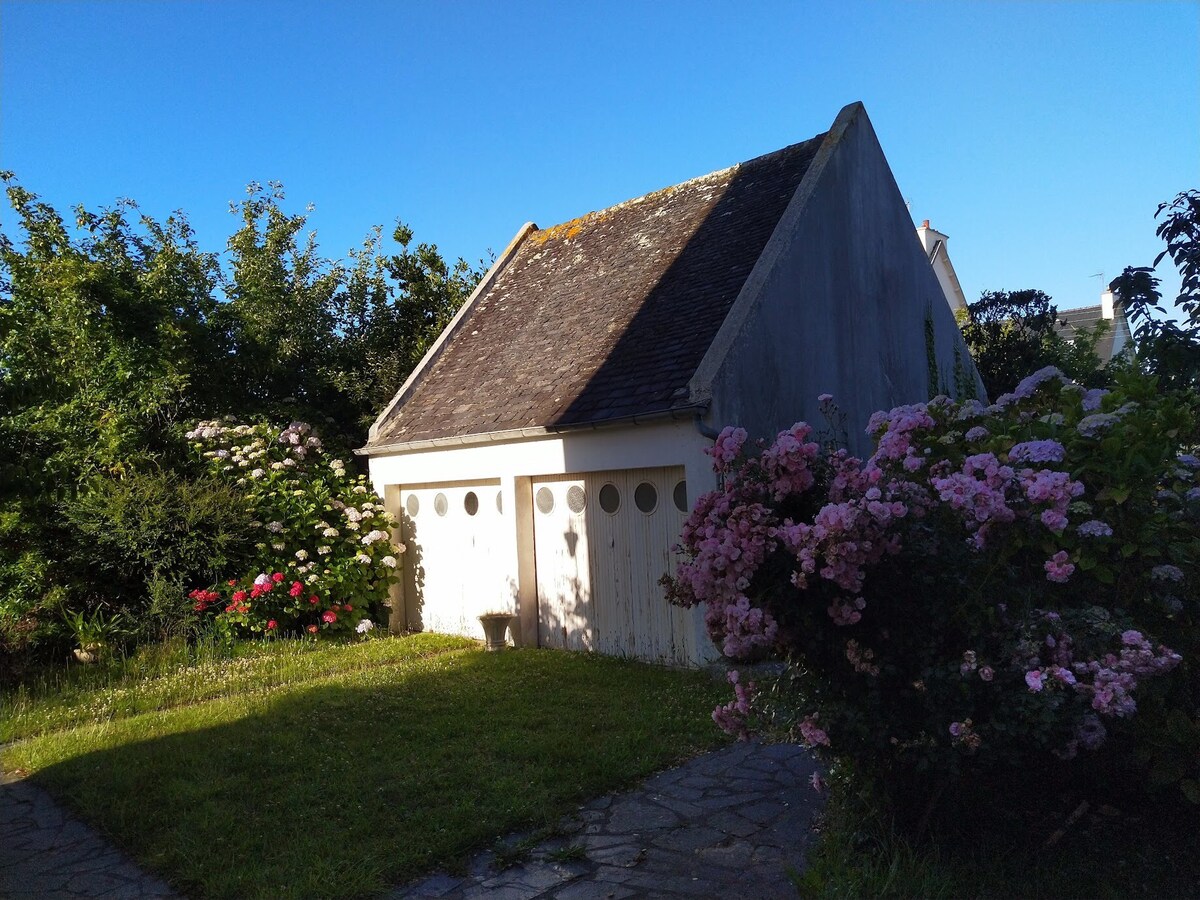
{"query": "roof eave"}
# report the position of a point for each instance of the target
(537, 431)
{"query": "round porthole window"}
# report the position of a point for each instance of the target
(440, 505)
(545, 500)
(680, 497)
(499, 502)
(645, 497)
(610, 498)
(471, 503)
(576, 499)
(413, 505)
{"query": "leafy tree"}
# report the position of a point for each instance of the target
(116, 328)
(1169, 349)
(1011, 334)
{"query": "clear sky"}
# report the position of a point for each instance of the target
(1039, 136)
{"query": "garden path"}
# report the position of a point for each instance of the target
(728, 824)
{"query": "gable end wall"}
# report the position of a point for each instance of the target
(840, 306)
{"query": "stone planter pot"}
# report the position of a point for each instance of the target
(87, 655)
(495, 629)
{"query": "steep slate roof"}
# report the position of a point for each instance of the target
(606, 316)
(1071, 321)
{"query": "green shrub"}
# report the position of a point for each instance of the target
(146, 538)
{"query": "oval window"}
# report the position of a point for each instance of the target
(545, 500)
(440, 505)
(610, 498)
(576, 499)
(471, 503)
(645, 497)
(500, 502)
(680, 497)
(413, 505)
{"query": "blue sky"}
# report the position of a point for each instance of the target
(1039, 136)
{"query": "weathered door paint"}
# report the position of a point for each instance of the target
(453, 572)
(566, 617)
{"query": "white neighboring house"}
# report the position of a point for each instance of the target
(1114, 339)
(544, 454)
(934, 244)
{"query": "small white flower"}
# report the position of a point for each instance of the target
(323, 550)
(302, 555)
(311, 579)
(364, 626)
(353, 526)
(359, 489)
(279, 546)
(389, 561)
(276, 466)
(330, 533)
(289, 462)
(257, 473)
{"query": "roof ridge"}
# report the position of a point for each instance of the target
(541, 235)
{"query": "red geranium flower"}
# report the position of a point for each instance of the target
(239, 596)
(297, 589)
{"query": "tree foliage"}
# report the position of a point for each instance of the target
(116, 328)
(1166, 348)
(1011, 334)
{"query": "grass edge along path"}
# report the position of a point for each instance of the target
(345, 784)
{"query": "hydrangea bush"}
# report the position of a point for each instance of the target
(993, 585)
(324, 554)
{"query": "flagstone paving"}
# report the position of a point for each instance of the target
(729, 824)
(46, 853)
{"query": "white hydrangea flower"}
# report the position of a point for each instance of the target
(257, 473)
(353, 526)
(389, 561)
(302, 555)
(323, 550)
(400, 548)
(279, 546)
(276, 466)
(275, 527)
(364, 626)
(362, 558)
(330, 533)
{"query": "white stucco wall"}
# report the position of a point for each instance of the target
(516, 463)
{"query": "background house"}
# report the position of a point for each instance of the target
(1109, 315)
(543, 456)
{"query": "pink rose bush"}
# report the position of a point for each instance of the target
(992, 584)
(326, 554)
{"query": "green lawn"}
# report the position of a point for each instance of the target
(339, 772)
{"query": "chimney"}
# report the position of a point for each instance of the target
(1107, 300)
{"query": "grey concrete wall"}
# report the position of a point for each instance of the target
(839, 304)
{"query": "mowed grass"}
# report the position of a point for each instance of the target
(346, 782)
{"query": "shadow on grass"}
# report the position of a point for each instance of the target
(340, 788)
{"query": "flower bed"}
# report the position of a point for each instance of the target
(325, 557)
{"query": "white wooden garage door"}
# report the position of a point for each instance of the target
(453, 572)
(602, 542)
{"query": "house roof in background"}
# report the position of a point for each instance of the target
(1070, 322)
(604, 317)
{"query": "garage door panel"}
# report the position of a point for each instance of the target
(565, 610)
(455, 570)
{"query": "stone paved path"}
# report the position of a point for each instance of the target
(47, 853)
(725, 825)
(728, 824)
